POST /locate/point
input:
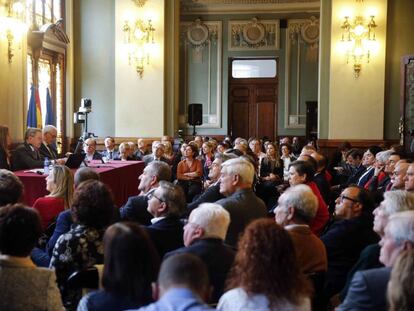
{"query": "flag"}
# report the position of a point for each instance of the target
(34, 113)
(50, 117)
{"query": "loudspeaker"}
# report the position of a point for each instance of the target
(195, 114)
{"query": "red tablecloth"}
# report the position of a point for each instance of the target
(120, 176)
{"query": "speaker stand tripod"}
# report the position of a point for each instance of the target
(194, 131)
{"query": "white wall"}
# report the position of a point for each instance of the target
(356, 105)
(139, 109)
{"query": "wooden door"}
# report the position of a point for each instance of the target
(253, 107)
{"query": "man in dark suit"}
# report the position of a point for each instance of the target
(89, 149)
(166, 204)
(110, 152)
(204, 236)
(368, 288)
(27, 155)
(48, 147)
(243, 205)
(136, 207)
(157, 153)
(320, 177)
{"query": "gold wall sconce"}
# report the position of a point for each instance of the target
(13, 26)
(358, 40)
(139, 39)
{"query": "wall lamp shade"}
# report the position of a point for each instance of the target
(12, 26)
(139, 39)
(358, 40)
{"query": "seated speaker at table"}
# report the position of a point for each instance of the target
(89, 149)
(27, 155)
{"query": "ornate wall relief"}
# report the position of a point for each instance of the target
(201, 59)
(253, 34)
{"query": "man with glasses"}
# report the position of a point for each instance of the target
(398, 176)
(349, 233)
(48, 147)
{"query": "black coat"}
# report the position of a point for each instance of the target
(211, 195)
(45, 153)
(24, 158)
(135, 209)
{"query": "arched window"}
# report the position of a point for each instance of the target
(46, 58)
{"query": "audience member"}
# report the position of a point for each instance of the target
(189, 173)
(89, 149)
(157, 153)
(5, 143)
(166, 204)
(27, 155)
(142, 149)
(206, 158)
(256, 148)
(182, 285)
(296, 209)
(243, 205)
(368, 162)
(400, 292)
(322, 176)
(110, 152)
(130, 266)
(11, 188)
(125, 152)
(287, 157)
(136, 207)
(22, 285)
(398, 175)
(168, 152)
(48, 147)
(59, 184)
(409, 178)
(308, 150)
(265, 274)
(354, 160)
(368, 288)
(380, 179)
(349, 233)
(204, 236)
(93, 211)
(301, 172)
(241, 145)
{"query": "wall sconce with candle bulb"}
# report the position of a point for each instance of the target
(358, 40)
(13, 26)
(139, 38)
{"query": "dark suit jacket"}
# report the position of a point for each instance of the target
(63, 224)
(244, 206)
(353, 179)
(25, 158)
(96, 155)
(218, 258)
(135, 209)
(149, 158)
(212, 194)
(3, 160)
(367, 291)
(344, 240)
(51, 155)
(323, 185)
(115, 154)
(167, 234)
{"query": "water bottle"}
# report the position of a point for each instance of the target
(46, 164)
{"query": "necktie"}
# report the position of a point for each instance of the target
(110, 155)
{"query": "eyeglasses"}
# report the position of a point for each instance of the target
(152, 195)
(344, 197)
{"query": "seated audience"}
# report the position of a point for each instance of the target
(48, 147)
(130, 266)
(409, 178)
(368, 162)
(241, 145)
(349, 233)
(287, 157)
(394, 202)
(11, 188)
(142, 149)
(222, 147)
(93, 211)
(190, 172)
(27, 155)
(157, 153)
(204, 236)
(398, 176)
(256, 148)
(206, 158)
(296, 209)
(265, 274)
(5, 143)
(136, 207)
(89, 149)
(59, 183)
(182, 285)
(22, 285)
(110, 152)
(308, 150)
(168, 152)
(354, 161)
(322, 177)
(301, 172)
(368, 288)
(380, 179)
(41, 257)
(241, 202)
(166, 204)
(270, 175)
(400, 292)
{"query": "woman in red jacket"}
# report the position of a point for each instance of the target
(59, 183)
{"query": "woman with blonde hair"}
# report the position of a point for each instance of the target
(5, 142)
(401, 287)
(168, 152)
(60, 185)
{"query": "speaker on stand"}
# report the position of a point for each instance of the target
(195, 115)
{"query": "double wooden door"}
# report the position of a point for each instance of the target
(253, 107)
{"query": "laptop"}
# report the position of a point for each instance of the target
(75, 160)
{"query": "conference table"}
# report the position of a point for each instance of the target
(120, 176)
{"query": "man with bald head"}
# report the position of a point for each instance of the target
(398, 175)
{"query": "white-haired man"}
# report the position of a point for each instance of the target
(296, 209)
(204, 236)
(48, 147)
(368, 287)
(157, 154)
(236, 182)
